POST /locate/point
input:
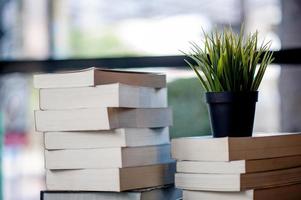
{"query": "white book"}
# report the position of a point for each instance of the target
(110, 95)
(286, 192)
(126, 137)
(96, 76)
(239, 166)
(114, 179)
(236, 148)
(117, 157)
(237, 182)
(92, 119)
(160, 193)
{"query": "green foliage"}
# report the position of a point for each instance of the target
(229, 61)
(103, 44)
(186, 99)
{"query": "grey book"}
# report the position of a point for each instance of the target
(109, 95)
(94, 119)
(165, 193)
(125, 137)
(100, 158)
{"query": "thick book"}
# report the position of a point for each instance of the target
(117, 157)
(97, 76)
(110, 95)
(112, 179)
(286, 192)
(160, 193)
(237, 182)
(239, 166)
(91, 119)
(126, 137)
(260, 146)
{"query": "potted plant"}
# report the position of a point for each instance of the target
(230, 68)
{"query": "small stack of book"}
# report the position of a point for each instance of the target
(247, 168)
(105, 130)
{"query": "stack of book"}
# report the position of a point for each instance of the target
(105, 131)
(251, 168)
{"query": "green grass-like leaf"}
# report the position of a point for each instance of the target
(229, 61)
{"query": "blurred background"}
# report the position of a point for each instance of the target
(68, 29)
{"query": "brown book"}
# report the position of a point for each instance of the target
(236, 148)
(96, 76)
(93, 119)
(239, 166)
(237, 182)
(286, 192)
(114, 179)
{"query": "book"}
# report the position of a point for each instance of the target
(110, 95)
(96, 76)
(126, 137)
(237, 182)
(160, 193)
(286, 192)
(239, 166)
(101, 119)
(260, 146)
(111, 179)
(116, 157)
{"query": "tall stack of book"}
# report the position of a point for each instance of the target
(105, 132)
(251, 168)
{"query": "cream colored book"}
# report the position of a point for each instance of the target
(236, 148)
(239, 166)
(110, 95)
(97, 76)
(157, 193)
(94, 119)
(286, 192)
(116, 157)
(114, 179)
(237, 182)
(125, 137)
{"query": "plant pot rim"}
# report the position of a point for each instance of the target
(228, 96)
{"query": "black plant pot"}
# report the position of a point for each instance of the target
(232, 113)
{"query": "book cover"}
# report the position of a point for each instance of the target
(97, 76)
